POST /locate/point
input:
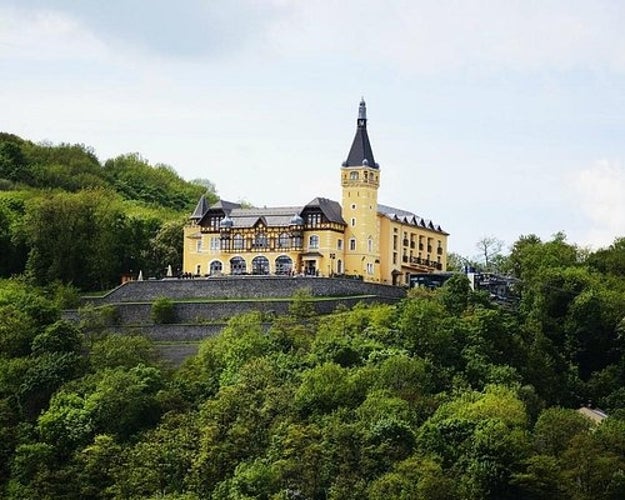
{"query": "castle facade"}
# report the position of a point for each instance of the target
(358, 237)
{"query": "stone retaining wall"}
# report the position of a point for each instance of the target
(237, 287)
(198, 312)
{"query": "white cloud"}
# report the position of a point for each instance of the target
(425, 36)
(46, 35)
(599, 191)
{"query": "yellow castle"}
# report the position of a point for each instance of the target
(357, 238)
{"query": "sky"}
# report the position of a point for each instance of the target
(492, 118)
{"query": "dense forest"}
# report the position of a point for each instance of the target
(67, 218)
(444, 395)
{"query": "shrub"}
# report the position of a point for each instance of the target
(163, 311)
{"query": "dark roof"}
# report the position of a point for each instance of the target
(224, 205)
(330, 208)
(271, 216)
(361, 147)
(274, 216)
(200, 209)
(405, 217)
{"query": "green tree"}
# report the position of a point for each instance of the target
(301, 306)
(456, 293)
(166, 246)
(13, 165)
(59, 337)
(17, 331)
(556, 427)
(163, 311)
(158, 464)
(74, 238)
(126, 351)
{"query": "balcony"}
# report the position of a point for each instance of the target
(416, 261)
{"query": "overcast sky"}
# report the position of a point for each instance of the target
(493, 118)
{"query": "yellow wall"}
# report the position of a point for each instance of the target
(386, 251)
(325, 256)
(409, 258)
(360, 208)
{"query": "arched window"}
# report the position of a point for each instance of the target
(237, 242)
(313, 242)
(260, 265)
(284, 240)
(237, 265)
(339, 266)
(284, 265)
(370, 244)
(353, 222)
(353, 176)
(216, 267)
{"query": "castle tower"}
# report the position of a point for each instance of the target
(360, 179)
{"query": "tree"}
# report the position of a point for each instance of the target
(59, 337)
(17, 331)
(126, 351)
(166, 246)
(13, 165)
(490, 252)
(556, 427)
(609, 260)
(163, 311)
(75, 239)
(455, 294)
(301, 306)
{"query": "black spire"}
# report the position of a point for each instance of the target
(360, 152)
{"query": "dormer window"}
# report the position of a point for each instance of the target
(313, 220)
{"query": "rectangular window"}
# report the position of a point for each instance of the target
(314, 220)
(339, 244)
(352, 244)
(198, 246)
(394, 257)
(215, 244)
(369, 268)
(395, 242)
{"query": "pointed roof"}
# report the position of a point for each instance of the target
(361, 152)
(330, 208)
(224, 205)
(200, 209)
(406, 217)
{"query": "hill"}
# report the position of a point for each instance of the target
(65, 216)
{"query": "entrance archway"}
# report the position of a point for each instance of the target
(216, 267)
(284, 265)
(237, 265)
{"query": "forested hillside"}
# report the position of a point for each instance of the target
(66, 217)
(444, 395)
